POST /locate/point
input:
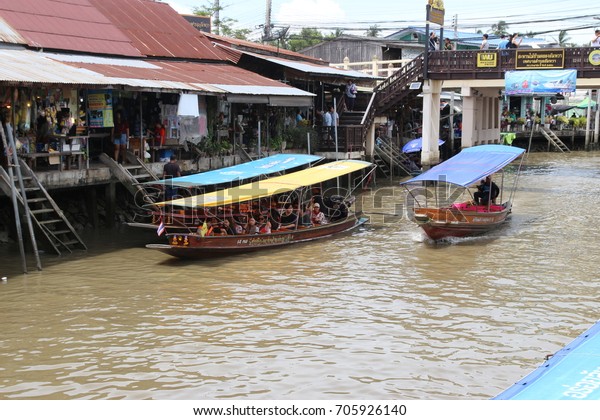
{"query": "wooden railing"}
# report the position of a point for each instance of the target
(462, 64)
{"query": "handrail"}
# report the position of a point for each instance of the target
(462, 64)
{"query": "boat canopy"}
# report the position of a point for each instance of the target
(570, 374)
(470, 165)
(268, 187)
(264, 166)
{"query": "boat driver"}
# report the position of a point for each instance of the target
(487, 191)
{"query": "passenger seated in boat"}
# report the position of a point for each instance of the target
(266, 228)
(487, 191)
(251, 227)
(274, 218)
(289, 220)
(339, 210)
(213, 228)
(305, 216)
(227, 228)
(317, 217)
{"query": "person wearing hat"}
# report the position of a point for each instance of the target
(317, 217)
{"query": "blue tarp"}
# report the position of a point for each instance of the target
(264, 166)
(573, 373)
(470, 165)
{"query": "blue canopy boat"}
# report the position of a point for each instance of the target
(274, 164)
(447, 216)
(256, 168)
(572, 373)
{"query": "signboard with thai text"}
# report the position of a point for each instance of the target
(540, 59)
(435, 11)
(540, 82)
(487, 59)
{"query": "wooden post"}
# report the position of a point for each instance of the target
(111, 203)
(14, 199)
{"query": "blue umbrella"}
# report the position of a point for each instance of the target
(416, 145)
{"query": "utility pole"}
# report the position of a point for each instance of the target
(217, 18)
(267, 29)
(455, 26)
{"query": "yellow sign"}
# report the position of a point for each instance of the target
(540, 59)
(435, 11)
(487, 59)
(594, 57)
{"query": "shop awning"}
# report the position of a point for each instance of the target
(239, 85)
(309, 68)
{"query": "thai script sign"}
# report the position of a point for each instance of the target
(487, 59)
(435, 12)
(540, 59)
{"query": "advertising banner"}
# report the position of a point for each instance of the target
(540, 82)
(100, 110)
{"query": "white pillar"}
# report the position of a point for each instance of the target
(469, 134)
(430, 154)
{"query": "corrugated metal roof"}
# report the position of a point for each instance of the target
(263, 90)
(185, 72)
(314, 69)
(74, 25)
(32, 67)
(207, 77)
(242, 45)
(157, 30)
(9, 35)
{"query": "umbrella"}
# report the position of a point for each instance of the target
(416, 145)
(584, 103)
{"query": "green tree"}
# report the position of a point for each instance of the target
(373, 31)
(336, 34)
(563, 40)
(221, 26)
(306, 38)
(500, 28)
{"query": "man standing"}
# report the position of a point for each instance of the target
(596, 39)
(503, 44)
(171, 170)
(327, 123)
(350, 95)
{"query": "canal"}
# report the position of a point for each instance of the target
(380, 313)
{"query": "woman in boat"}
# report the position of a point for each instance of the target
(317, 216)
(487, 191)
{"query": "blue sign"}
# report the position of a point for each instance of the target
(540, 82)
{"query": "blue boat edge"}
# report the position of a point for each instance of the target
(582, 389)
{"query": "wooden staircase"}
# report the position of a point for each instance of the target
(553, 140)
(132, 176)
(394, 89)
(388, 158)
(43, 211)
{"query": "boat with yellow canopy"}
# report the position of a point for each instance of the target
(267, 213)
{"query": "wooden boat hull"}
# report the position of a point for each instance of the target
(194, 246)
(440, 223)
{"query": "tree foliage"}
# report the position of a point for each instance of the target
(306, 38)
(500, 28)
(373, 31)
(563, 39)
(221, 26)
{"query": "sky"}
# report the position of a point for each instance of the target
(578, 17)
